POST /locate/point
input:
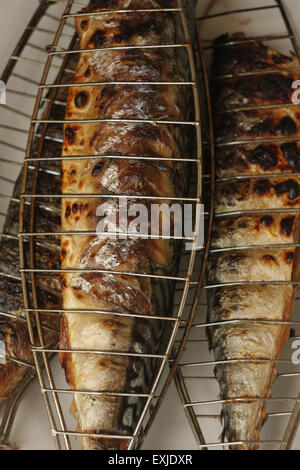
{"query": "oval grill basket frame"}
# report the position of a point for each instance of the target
(190, 276)
(205, 408)
(21, 82)
(19, 85)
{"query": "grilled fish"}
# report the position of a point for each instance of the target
(264, 152)
(115, 414)
(14, 331)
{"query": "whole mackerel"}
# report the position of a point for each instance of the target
(120, 276)
(13, 331)
(257, 161)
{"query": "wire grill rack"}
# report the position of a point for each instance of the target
(188, 281)
(20, 88)
(194, 378)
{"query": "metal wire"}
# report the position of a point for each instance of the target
(182, 380)
(187, 284)
(11, 405)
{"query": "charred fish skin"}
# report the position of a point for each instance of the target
(245, 381)
(133, 295)
(14, 332)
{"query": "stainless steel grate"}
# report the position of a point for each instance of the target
(188, 281)
(195, 378)
(14, 122)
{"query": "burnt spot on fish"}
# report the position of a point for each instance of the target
(291, 154)
(289, 257)
(239, 190)
(73, 172)
(93, 139)
(81, 99)
(261, 128)
(70, 133)
(130, 29)
(84, 25)
(107, 4)
(108, 324)
(275, 86)
(68, 212)
(97, 169)
(268, 259)
(242, 224)
(75, 208)
(63, 282)
(267, 220)
(262, 65)
(289, 187)
(106, 97)
(229, 225)
(286, 127)
(264, 156)
(287, 225)
(98, 38)
(87, 72)
(261, 187)
(132, 54)
(234, 260)
(276, 59)
(225, 313)
(280, 59)
(83, 207)
(243, 88)
(104, 364)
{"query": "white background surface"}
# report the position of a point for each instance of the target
(170, 431)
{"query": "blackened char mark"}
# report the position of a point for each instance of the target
(261, 187)
(244, 57)
(267, 220)
(235, 192)
(15, 335)
(289, 187)
(261, 128)
(109, 4)
(116, 4)
(98, 38)
(287, 225)
(291, 154)
(289, 257)
(268, 259)
(275, 87)
(286, 127)
(70, 135)
(84, 25)
(138, 26)
(264, 156)
(81, 99)
(11, 296)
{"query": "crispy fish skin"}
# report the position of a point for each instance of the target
(14, 332)
(119, 293)
(249, 339)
